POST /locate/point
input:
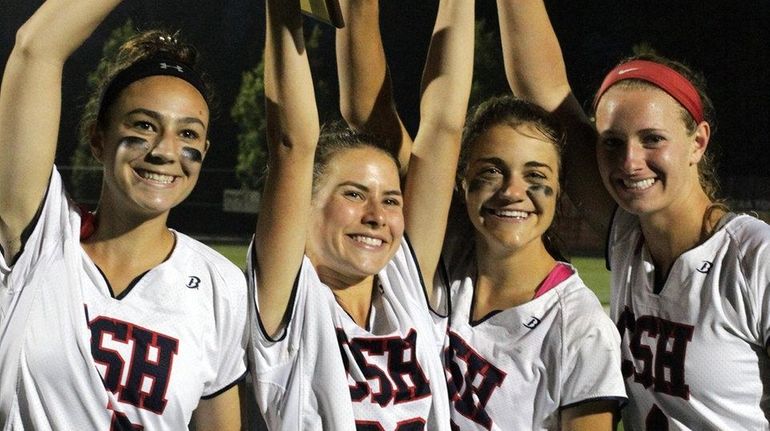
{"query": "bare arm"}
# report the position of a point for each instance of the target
(446, 87)
(535, 70)
(30, 107)
(592, 416)
(292, 131)
(221, 413)
(366, 95)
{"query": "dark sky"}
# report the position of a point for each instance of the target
(727, 40)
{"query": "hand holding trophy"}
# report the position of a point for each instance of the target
(327, 11)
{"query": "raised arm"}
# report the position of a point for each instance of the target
(366, 94)
(446, 86)
(535, 70)
(292, 132)
(30, 107)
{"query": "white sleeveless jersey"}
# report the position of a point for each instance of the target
(73, 357)
(326, 372)
(517, 368)
(695, 353)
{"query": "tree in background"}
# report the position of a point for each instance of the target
(248, 110)
(86, 179)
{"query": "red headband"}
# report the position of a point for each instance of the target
(663, 77)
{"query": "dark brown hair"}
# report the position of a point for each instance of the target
(144, 45)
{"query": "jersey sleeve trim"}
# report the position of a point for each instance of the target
(27, 232)
(422, 281)
(621, 402)
(608, 239)
(289, 306)
(443, 273)
(241, 378)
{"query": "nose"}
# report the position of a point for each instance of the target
(164, 150)
(633, 157)
(374, 216)
(513, 189)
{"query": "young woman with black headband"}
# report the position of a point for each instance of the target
(690, 279)
(111, 320)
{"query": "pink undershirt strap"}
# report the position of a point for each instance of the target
(559, 273)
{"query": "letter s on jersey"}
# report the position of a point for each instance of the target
(659, 348)
(150, 361)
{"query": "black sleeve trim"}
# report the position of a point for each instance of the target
(419, 274)
(227, 387)
(607, 244)
(27, 232)
(443, 272)
(621, 402)
(289, 307)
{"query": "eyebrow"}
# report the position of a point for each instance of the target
(158, 117)
(499, 161)
(366, 189)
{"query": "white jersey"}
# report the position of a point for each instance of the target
(695, 352)
(326, 372)
(73, 357)
(517, 368)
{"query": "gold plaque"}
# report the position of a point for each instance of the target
(327, 11)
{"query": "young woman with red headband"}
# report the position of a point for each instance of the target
(690, 280)
(111, 320)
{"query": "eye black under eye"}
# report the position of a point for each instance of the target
(192, 154)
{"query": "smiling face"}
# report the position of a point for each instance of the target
(647, 158)
(152, 145)
(511, 186)
(357, 220)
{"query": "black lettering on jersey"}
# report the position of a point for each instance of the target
(392, 386)
(660, 363)
(142, 366)
(470, 392)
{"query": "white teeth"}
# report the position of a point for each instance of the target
(368, 240)
(511, 213)
(159, 178)
(639, 185)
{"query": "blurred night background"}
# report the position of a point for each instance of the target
(728, 41)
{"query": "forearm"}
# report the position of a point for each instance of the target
(447, 78)
(366, 93)
(533, 60)
(446, 90)
(30, 106)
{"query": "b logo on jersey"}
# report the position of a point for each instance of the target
(137, 361)
(193, 282)
(389, 366)
(659, 347)
(469, 391)
(532, 323)
(705, 268)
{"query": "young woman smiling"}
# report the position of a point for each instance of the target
(111, 320)
(523, 328)
(690, 279)
(343, 335)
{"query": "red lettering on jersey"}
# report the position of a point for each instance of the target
(416, 424)
(659, 363)
(150, 362)
(399, 355)
(470, 391)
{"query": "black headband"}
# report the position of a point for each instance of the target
(149, 67)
